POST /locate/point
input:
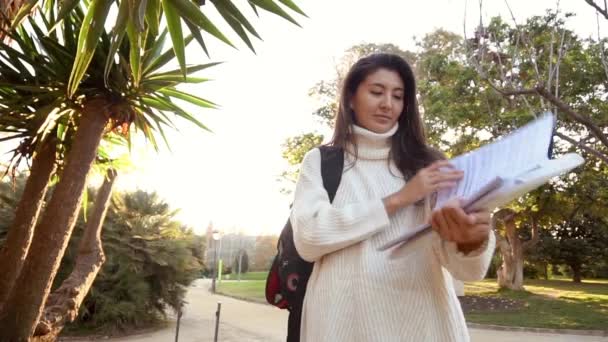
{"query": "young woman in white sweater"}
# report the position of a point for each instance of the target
(356, 293)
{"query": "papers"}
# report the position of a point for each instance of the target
(502, 171)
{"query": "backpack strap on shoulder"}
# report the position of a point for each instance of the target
(332, 165)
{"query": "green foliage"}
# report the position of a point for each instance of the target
(151, 259)
(140, 20)
(294, 150)
(40, 101)
(576, 218)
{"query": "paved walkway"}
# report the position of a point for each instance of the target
(251, 322)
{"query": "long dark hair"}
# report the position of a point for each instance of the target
(409, 149)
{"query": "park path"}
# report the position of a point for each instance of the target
(251, 322)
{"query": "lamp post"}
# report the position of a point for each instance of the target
(216, 236)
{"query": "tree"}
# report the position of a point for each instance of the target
(265, 250)
(8, 9)
(579, 230)
(136, 19)
(14, 251)
(541, 65)
(241, 259)
(150, 260)
(63, 304)
(86, 91)
(462, 85)
(512, 250)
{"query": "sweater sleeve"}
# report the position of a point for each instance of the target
(470, 267)
(320, 228)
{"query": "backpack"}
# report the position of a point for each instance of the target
(289, 273)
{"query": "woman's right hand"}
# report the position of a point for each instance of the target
(426, 181)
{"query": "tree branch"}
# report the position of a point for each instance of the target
(582, 146)
(603, 12)
(504, 214)
(601, 43)
(580, 118)
(535, 235)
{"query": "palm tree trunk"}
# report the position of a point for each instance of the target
(19, 236)
(25, 303)
(63, 304)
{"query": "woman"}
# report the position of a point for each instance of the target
(356, 293)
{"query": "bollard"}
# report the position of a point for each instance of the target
(217, 320)
(179, 317)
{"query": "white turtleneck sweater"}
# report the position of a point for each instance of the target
(356, 293)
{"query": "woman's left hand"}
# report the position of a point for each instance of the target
(468, 231)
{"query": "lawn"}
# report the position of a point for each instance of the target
(247, 276)
(547, 304)
(544, 304)
(250, 289)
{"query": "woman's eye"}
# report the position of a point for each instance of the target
(376, 92)
(398, 97)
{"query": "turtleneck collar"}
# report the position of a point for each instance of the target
(371, 145)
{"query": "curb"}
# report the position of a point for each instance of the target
(539, 330)
(244, 299)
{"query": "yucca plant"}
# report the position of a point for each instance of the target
(65, 83)
(138, 18)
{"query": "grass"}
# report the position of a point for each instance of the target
(247, 276)
(252, 290)
(557, 303)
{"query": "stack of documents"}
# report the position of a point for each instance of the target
(502, 171)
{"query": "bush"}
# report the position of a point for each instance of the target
(531, 271)
(150, 261)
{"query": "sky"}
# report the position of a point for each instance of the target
(229, 177)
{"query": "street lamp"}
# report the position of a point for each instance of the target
(216, 236)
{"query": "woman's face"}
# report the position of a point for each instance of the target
(378, 101)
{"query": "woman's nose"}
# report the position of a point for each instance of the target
(387, 102)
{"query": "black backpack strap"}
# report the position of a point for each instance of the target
(332, 165)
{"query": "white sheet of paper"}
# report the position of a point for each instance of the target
(520, 163)
(508, 157)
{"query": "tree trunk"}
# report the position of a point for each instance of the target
(20, 234)
(576, 273)
(511, 272)
(63, 304)
(25, 303)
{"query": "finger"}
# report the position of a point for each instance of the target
(482, 217)
(444, 185)
(452, 220)
(444, 230)
(460, 216)
(446, 176)
(460, 231)
(439, 164)
(479, 233)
